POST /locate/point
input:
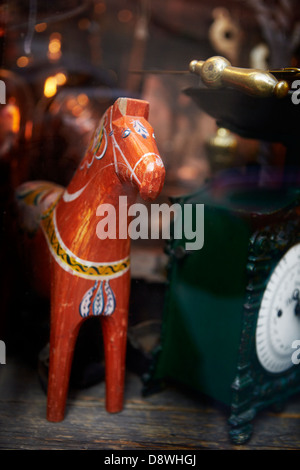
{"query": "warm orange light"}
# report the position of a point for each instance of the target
(22, 61)
(40, 27)
(100, 8)
(54, 46)
(13, 114)
(60, 78)
(71, 102)
(28, 130)
(16, 119)
(77, 110)
(55, 36)
(51, 83)
(84, 23)
(124, 16)
(187, 173)
(50, 87)
(82, 99)
(55, 56)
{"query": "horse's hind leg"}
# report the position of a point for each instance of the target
(65, 325)
(114, 330)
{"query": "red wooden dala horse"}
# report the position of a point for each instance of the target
(90, 276)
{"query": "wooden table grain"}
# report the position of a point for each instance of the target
(173, 419)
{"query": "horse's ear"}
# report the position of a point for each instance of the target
(137, 108)
(130, 107)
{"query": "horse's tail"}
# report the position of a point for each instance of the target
(34, 199)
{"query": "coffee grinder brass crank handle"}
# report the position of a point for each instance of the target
(217, 72)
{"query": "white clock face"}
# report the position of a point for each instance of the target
(278, 324)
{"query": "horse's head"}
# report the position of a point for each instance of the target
(136, 156)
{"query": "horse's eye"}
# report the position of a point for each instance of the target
(126, 133)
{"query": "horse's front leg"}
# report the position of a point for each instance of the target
(65, 325)
(114, 329)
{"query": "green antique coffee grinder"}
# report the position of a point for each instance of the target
(231, 323)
